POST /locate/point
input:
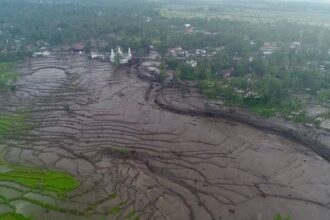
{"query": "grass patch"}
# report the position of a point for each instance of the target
(13, 216)
(132, 216)
(286, 110)
(265, 111)
(113, 195)
(121, 151)
(47, 206)
(116, 209)
(7, 76)
(252, 15)
(39, 179)
(12, 124)
(280, 217)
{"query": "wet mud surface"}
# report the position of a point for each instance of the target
(104, 127)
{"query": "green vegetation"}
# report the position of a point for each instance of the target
(6, 76)
(41, 180)
(27, 26)
(280, 217)
(132, 216)
(266, 95)
(121, 151)
(13, 216)
(113, 195)
(37, 180)
(116, 209)
(323, 95)
(13, 124)
(249, 12)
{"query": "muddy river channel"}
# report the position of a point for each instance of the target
(142, 162)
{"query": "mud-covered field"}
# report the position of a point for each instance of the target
(135, 160)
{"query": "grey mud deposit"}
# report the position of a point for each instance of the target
(104, 127)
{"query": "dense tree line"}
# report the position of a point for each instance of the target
(72, 21)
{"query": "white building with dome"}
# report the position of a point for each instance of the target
(122, 57)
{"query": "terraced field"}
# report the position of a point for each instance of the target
(134, 160)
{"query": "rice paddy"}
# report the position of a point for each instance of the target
(13, 177)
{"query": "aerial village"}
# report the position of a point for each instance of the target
(190, 56)
(113, 56)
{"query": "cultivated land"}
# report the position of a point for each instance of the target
(245, 14)
(135, 160)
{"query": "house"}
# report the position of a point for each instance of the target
(192, 63)
(252, 43)
(200, 52)
(175, 51)
(94, 55)
(78, 48)
(29, 47)
(220, 48)
(103, 57)
(267, 52)
(190, 30)
(295, 45)
(269, 48)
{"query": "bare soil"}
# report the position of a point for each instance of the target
(103, 126)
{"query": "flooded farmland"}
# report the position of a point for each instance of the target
(135, 160)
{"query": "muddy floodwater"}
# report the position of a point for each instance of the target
(103, 127)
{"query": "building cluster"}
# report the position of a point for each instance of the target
(269, 48)
(114, 57)
(191, 56)
(11, 45)
(189, 29)
(45, 53)
(181, 53)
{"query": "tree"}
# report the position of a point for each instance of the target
(270, 89)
